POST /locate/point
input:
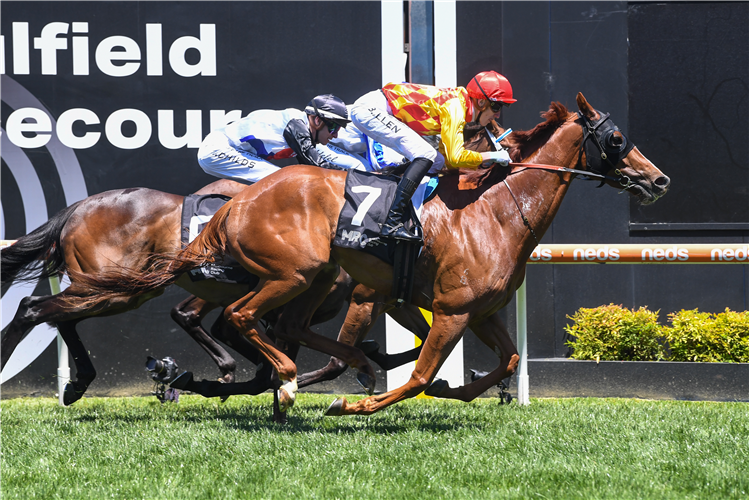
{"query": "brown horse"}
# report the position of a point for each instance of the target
(479, 231)
(117, 227)
(120, 228)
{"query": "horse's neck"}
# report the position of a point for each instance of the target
(539, 193)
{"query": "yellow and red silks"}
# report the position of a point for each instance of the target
(430, 110)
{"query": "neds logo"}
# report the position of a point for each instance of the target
(729, 254)
(669, 254)
(591, 254)
(542, 255)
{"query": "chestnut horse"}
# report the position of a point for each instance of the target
(479, 231)
(120, 228)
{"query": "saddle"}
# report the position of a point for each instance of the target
(197, 211)
(367, 200)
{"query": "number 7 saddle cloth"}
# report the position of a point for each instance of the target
(368, 197)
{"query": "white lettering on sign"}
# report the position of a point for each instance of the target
(117, 56)
(729, 254)
(30, 121)
(31, 128)
(668, 254)
(65, 128)
(599, 254)
(543, 254)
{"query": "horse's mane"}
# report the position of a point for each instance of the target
(522, 144)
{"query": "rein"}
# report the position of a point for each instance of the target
(519, 167)
(601, 133)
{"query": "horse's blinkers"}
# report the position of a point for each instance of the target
(603, 147)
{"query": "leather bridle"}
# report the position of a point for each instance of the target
(599, 149)
(599, 135)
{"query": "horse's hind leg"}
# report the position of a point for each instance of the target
(293, 326)
(224, 332)
(494, 334)
(188, 314)
(85, 372)
(244, 315)
(53, 309)
(31, 312)
(364, 308)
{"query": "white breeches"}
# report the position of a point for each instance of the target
(372, 115)
(218, 158)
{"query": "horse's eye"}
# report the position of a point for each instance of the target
(617, 140)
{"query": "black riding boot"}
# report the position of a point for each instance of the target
(393, 226)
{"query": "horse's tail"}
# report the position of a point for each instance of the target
(162, 269)
(37, 255)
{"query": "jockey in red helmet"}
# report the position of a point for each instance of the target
(400, 113)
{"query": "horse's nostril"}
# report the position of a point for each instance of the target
(662, 182)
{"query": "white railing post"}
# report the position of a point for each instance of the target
(522, 327)
(63, 363)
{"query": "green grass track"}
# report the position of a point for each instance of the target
(133, 448)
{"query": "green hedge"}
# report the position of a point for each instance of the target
(615, 333)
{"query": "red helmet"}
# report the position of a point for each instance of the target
(492, 86)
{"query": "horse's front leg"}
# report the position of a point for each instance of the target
(364, 308)
(445, 333)
(494, 334)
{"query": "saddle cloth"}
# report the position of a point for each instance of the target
(368, 198)
(197, 210)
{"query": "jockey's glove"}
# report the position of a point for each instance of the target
(501, 157)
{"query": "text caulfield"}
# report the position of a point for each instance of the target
(115, 56)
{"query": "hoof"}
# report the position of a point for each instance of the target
(367, 381)
(369, 346)
(182, 381)
(70, 395)
(436, 388)
(285, 400)
(336, 409)
(287, 394)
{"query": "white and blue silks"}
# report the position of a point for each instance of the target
(245, 149)
(242, 150)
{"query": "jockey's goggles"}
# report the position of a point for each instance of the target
(333, 127)
(495, 105)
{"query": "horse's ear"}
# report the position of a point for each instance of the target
(586, 108)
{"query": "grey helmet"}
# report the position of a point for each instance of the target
(329, 107)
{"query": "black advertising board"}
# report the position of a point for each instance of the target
(131, 88)
(689, 106)
(108, 95)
